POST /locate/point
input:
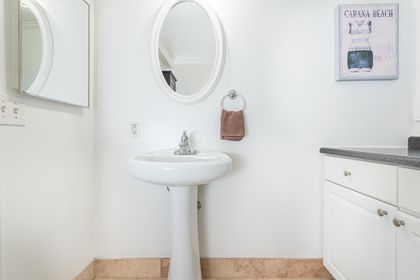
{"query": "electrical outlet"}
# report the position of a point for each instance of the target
(134, 129)
(12, 113)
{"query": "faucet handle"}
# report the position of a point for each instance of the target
(184, 139)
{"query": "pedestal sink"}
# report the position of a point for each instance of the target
(183, 173)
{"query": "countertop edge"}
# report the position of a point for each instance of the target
(403, 161)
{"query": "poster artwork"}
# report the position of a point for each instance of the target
(367, 42)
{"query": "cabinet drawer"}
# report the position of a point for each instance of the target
(373, 179)
(409, 189)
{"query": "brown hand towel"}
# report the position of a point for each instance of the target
(232, 125)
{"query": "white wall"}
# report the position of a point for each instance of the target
(46, 185)
(280, 56)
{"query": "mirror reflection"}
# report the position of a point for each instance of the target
(187, 48)
(31, 46)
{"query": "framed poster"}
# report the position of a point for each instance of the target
(367, 42)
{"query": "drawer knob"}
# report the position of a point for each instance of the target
(346, 173)
(382, 212)
(398, 223)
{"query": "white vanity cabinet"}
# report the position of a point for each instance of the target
(408, 232)
(371, 220)
(359, 242)
(408, 247)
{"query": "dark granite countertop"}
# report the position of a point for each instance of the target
(401, 156)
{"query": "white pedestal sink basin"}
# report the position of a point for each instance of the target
(183, 173)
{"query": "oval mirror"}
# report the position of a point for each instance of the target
(187, 50)
(36, 47)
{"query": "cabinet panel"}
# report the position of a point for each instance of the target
(359, 244)
(408, 248)
(373, 179)
(409, 190)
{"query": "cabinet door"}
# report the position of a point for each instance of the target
(408, 248)
(359, 237)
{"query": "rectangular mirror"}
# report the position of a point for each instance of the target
(54, 50)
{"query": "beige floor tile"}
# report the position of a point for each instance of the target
(130, 278)
(217, 279)
(266, 279)
(258, 268)
(263, 268)
(216, 269)
(87, 274)
(128, 268)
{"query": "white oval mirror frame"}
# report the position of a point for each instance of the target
(47, 47)
(216, 73)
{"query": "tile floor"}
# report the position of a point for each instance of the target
(215, 269)
(218, 278)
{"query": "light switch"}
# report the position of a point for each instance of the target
(12, 113)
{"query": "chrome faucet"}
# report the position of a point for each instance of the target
(184, 146)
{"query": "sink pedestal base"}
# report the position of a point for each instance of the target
(185, 255)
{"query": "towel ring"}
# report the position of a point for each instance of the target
(233, 95)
